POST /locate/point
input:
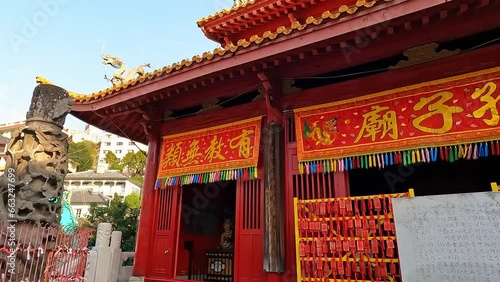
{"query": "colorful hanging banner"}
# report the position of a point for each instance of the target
(218, 153)
(471, 151)
(452, 111)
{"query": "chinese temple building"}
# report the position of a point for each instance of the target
(304, 99)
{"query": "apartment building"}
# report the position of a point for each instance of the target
(119, 146)
(87, 187)
(108, 142)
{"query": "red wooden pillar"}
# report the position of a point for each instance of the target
(145, 228)
(341, 184)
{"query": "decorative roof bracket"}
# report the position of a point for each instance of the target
(273, 114)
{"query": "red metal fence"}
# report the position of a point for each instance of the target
(347, 239)
(38, 252)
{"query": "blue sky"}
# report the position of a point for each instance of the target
(60, 40)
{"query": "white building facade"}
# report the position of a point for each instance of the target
(119, 146)
(89, 187)
(80, 202)
(108, 142)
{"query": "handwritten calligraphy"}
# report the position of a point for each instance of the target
(449, 238)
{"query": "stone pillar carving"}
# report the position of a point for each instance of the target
(116, 240)
(103, 235)
(91, 266)
(37, 162)
(37, 154)
(116, 254)
(104, 262)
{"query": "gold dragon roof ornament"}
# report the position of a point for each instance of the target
(119, 76)
(238, 3)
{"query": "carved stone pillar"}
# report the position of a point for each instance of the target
(37, 157)
(103, 235)
(274, 237)
(115, 249)
(36, 165)
(116, 240)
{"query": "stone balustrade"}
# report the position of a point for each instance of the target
(105, 261)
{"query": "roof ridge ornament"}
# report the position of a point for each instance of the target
(42, 80)
(238, 3)
(119, 75)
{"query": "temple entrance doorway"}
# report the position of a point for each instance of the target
(435, 178)
(206, 232)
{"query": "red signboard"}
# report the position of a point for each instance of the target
(227, 147)
(446, 112)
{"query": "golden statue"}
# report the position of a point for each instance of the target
(119, 75)
(227, 237)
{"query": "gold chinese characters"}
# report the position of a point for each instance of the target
(192, 152)
(438, 118)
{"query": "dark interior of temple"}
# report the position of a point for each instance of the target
(462, 176)
(473, 42)
(204, 209)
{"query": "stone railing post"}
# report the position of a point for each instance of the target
(103, 235)
(116, 254)
(100, 258)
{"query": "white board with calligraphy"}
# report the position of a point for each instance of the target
(449, 238)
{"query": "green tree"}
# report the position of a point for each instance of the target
(116, 166)
(110, 158)
(123, 216)
(96, 215)
(133, 200)
(139, 179)
(135, 163)
(112, 161)
(83, 153)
